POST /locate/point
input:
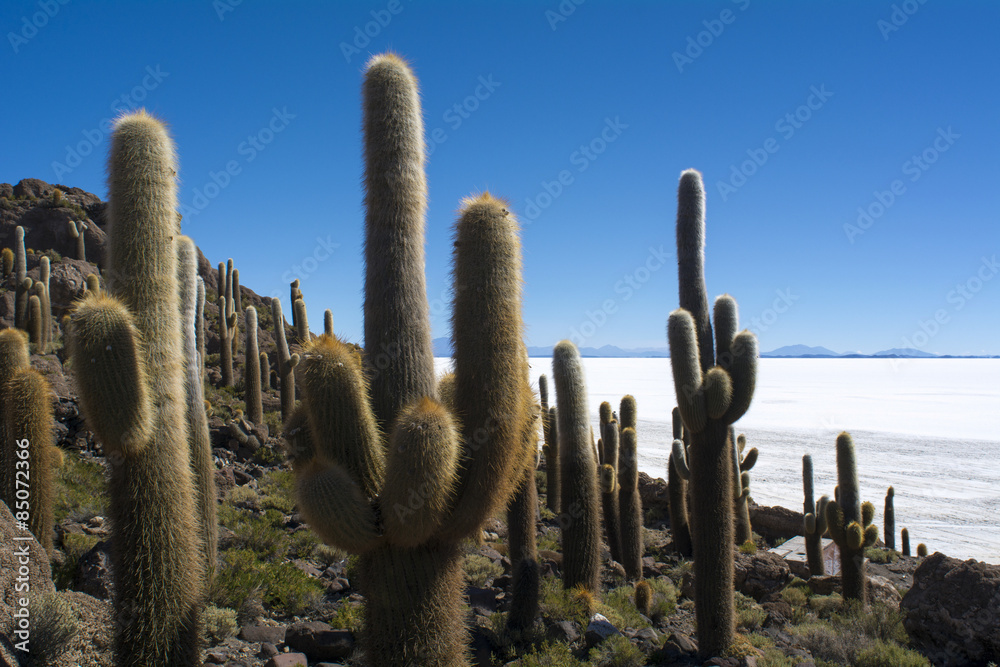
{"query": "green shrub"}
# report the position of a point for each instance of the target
(81, 489)
(795, 596)
(281, 586)
(264, 534)
(218, 624)
(53, 626)
(277, 490)
(880, 555)
(349, 616)
(882, 654)
(749, 614)
(617, 651)
(74, 545)
(552, 654)
(748, 547)
(480, 570)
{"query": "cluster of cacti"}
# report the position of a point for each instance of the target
(678, 475)
(741, 487)
(127, 348)
(27, 450)
(251, 370)
(550, 448)
(383, 470)
(76, 231)
(580, 509)
(714, 384)
(286, 362)
(814, 521)
(850, 522)
(889, 520)
(607, 459)
(619, 479)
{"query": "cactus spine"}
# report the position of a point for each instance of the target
(850, 522)
(356, 482)
(610, 489)
(631, 505)
(904, 537)
(251, 376)
(710, 398)
(581, 527)
(132, 397)
(192, 293)
(677, 488)
(76, 231)
(741, 487)
(550, 448)
(814, 521)
(286, 362)
(889, 520)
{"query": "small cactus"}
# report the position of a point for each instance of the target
(889, 520)
(76, 231)
(643, 597)
(921, 550)
(328, 322)
(93, 283)
(904, 537)
(7, 262)
(741, 487)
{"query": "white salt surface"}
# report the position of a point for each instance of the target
(928, 427)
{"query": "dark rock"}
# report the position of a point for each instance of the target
(319, 641)
(339, 585)
(39, 577)
(563, 631)
(953, 610)
(483, 601)
(824, 585)
(225, 480)
(647, 635)
(288, 660)
(241, 477)
(760, 574)
(655, 499)
(775, 522)
(267, 650)
(682, 642)
(273, 634)
(94, 572)
(598, 630)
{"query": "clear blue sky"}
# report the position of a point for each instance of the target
(220, 73)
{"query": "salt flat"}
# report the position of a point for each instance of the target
(929, 427)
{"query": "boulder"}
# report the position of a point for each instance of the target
(94, 572)
(319, 641)
(760, 574)
(953, 610)
(654, 496)
(775, 522)
(599, 629)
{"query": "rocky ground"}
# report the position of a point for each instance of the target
(282, 598)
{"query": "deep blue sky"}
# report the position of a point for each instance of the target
(554, 86)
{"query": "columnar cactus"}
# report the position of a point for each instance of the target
(677, 488)
(921, 550)
(741, 487)
(76, 231)
(814, 521)
(404, 496)
(610, 489)
(230, 299)
(627, 417)
(127, 352)
(22, 283)
(251, 376)
(631, 505)
(14, 356)
(237, 292)
(199, 324)
(604, 418)
(286, 362)
(580, 517)
(904, 538)
(265, 371)
(710, 398)
(301, 321)
(192, 293)
(889, 520)
(28, 450)
(220, 281)
(227, 331)
(36, 321)
(550, 448)
(295, 294)
(44, 275)
(522, 527)
(850, 522)
(7, 262)
(328, 322)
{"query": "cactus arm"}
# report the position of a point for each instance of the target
(336, 507)
(691, 263)
(679, 459)
(743, 371)
(687, 370)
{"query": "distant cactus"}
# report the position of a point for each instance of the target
(265, 371)
(27, 417)
(814, 521)
(631, 505)
(22, 283)
(522, 527)
(14, 356)
(93, 283)
(251, 376)
(286, 362)
(227, 330)
(133, 398)
(741, 487)
(610, 507)
(7, 262)
(295, 293)
(550, 448)
(904, 537)
(230, 299)
(604, 417)
(921, 550)
(36, 321)
(710, 398)
(328, 322)
(677, 488)
(44, 275)
(301, 321)
(220, 281)
(889, 520)
(76, 231)
(643, 597)
(850, 522)
(237, 292)
(580, 517)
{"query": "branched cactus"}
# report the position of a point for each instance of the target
(610, 489)
(251, 376)
(850, 522)
(710, 398)
(631, 505)
(889, 520)
(677, 488)
(286, 362)
(550, 448)
(741, 487)
(76, 231)
(580, 517)
(383, 470)
(132, 395)
(814, 521)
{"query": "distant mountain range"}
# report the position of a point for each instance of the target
(442, 348)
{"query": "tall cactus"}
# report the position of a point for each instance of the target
(76, 231)
(227, 331)
(251, 367)
(301, 321)
(631, 505)
(580, 517)
(522, 527)
(710, 398)
(604, 419)
(850, 522)
(405, 497)
(22, 283)
(610, 508)
(192, 293)
(550, 448)
(237, 292)
(741, 487)
(814, 521)
(295, 293)
(889, 520)
(44, 276)
(36, 321)
(132, 395)
(14, 356)
(677, 488)
(286, 362)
